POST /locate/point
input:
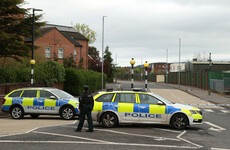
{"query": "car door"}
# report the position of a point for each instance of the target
(127, 108)
(149, 109)
(47, 105)
(29, 101)
(103, 103)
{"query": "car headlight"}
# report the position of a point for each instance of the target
(193, 112)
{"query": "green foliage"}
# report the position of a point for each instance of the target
(49, 72)
(93, 52)
(76, 79)
(69, 61)
(109, 67)
(86, 31)
(15, 23)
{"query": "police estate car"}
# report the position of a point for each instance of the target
(40, 101)
(114, 107)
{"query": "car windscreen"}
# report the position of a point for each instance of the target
(61, 94)
(161, 98)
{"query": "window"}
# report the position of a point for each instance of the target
(148, 99)
(60, 52)
(46, 94)
(29, 93)
(125, 98)
(75, 54)
(47, 52)
(105, 98)
(15, 94)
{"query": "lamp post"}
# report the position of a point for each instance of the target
(210, 68)
(146, 65)
(167, 70)
(102, 66)
(32, 61)
(179, 67)
(132, 62)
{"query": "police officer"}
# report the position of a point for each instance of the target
(86, 103)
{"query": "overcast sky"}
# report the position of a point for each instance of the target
(144, 29)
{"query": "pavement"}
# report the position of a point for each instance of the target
(216, 98)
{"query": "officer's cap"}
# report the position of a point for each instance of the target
(86, 87)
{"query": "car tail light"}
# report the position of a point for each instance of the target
(4, 100)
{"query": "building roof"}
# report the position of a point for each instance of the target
(69, 32)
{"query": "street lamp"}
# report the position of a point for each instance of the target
(132, 62)
(146, 65)
(102, 66)
(179, 67)
(210, 68)
(32, 61)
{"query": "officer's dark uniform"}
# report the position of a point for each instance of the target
(86, 103)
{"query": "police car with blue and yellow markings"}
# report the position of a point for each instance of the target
(40, 101)
(114, 107)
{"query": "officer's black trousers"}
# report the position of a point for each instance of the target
(86, 110)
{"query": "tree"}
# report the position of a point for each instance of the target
(93, 52)
(86, 31)
(69, 61)
(109, 68)
(15, 24)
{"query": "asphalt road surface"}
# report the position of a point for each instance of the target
(213, 134)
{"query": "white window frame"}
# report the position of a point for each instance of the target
(75, 54)
(60, 53)
(47, 52)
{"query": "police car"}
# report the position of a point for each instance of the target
(40, 101)
(114, 107)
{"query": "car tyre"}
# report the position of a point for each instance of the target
(109, 120)
(34, 116)
(179, 121)
(17, 112)
(67, 113)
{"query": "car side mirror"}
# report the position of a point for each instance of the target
(160, 103)
(53, 97)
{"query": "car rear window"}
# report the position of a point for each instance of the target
(15, 94)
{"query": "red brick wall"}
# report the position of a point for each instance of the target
(55, 40)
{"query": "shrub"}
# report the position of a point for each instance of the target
(49, 72)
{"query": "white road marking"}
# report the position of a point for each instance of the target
(225, 111)
(176, 97)
(140, 135)
(179, 137)
(71, 136)
(208, 110)
(174, 131)
(214, 127)
(98, 143)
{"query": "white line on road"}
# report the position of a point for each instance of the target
(98, 143)
(179, 137)
(214, 127)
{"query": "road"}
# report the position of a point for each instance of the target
(57, 134)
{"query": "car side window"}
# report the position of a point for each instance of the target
(29, 93)
(45, 94)
(105, 98)
(148, 99)
(125, 98)
(15, 94)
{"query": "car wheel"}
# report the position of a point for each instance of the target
(34, 116)
(179, 121)
(67, 113)
(17, 112)
(109, 120)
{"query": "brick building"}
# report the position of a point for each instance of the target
(160, 67)
(58, 42)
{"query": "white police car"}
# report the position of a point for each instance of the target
(114, 107)
(40, 101)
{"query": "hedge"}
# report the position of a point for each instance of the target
(76, 79)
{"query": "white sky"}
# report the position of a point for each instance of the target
(144, 29)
